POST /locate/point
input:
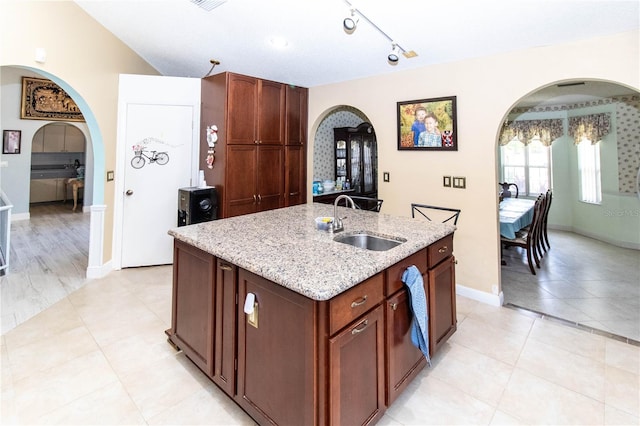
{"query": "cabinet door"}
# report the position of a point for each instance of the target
(54, 138)
(295, 175)
(193, 301)
(442, 304)
(276, 357)
(73, 139)
(242, 114)
(356, 371)
(240, 192)
(225, 323)
(271, 114)
(404, 360)
(43, 190)
(270, 177)
(296, 115)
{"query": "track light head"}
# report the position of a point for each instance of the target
(394, 55)
(350, 23)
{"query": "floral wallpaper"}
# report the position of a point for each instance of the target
(323, 151)
(627, 134)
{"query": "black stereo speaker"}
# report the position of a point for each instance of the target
(196, 205)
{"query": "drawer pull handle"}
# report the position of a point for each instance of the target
(225, 267)
(442, 249)
(394, 306)
(359, 302)
(360, 327)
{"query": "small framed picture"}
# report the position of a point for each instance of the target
(11, 141)
(428, 125)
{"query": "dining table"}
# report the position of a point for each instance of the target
(515, 214)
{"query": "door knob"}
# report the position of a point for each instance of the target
(129, 192)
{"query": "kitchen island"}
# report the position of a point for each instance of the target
(300, 329)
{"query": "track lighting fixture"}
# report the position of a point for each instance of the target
(393, 56)
(350, 23)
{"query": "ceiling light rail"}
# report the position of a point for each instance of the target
(208, 5)
(350, 24)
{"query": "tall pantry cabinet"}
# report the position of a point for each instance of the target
(260, 154)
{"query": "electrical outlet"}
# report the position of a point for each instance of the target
(459, 182)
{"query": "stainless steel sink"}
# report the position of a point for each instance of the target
(369, 241)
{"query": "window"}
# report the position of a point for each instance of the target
(528, 166)
(589, 171)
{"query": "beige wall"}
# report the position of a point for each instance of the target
(486, 89)
(88, 58)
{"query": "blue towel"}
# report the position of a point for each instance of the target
(419, 325)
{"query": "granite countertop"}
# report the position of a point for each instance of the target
(284, 246)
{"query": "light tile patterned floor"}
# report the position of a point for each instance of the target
(100, 356)
(580, 280)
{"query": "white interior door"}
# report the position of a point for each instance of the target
(156, 165)
(158, 134)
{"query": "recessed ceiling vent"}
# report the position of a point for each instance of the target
(208, 5)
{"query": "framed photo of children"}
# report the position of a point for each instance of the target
(428, 125)
(11, 141)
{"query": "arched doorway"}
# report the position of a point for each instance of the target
(342, 116)
(582, 278)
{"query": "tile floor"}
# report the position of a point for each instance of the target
(581, 280)
(100, 356)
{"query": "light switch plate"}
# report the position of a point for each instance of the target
(385, 176)
(109, 175)
(446, 181)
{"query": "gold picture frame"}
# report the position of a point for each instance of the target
(42, 99)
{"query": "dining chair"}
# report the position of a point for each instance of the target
(506, 189)
(527, 239)
(367, 203)
(424, 208)
(545, 236)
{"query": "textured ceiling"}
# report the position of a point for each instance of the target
(179, 39)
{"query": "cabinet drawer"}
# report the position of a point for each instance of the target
(394, 273)
(440, 250)
(354, 302)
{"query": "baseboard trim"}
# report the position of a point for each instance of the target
(99, 271)
(604, 239)
(15, 217)
(480, 296)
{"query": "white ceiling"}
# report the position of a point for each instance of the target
(179, 38)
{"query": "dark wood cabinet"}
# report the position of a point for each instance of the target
(257, 179)
(356, 158)
(255, 111)
(276, 353)
(252, 170)
(356, 371)
(192, 316)
(295, 360)
(441, 292)
(224, 362)
(295, 155)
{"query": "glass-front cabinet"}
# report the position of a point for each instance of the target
(356, 159)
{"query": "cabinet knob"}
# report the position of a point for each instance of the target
(129, 192)
(255, 199)
(442, 249)
(394, 306)
(259, 198)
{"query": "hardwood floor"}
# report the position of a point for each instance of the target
(48, 261)
(580, 280)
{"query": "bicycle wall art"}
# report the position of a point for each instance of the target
(144, 155)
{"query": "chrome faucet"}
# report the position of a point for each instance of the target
(337, 221)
